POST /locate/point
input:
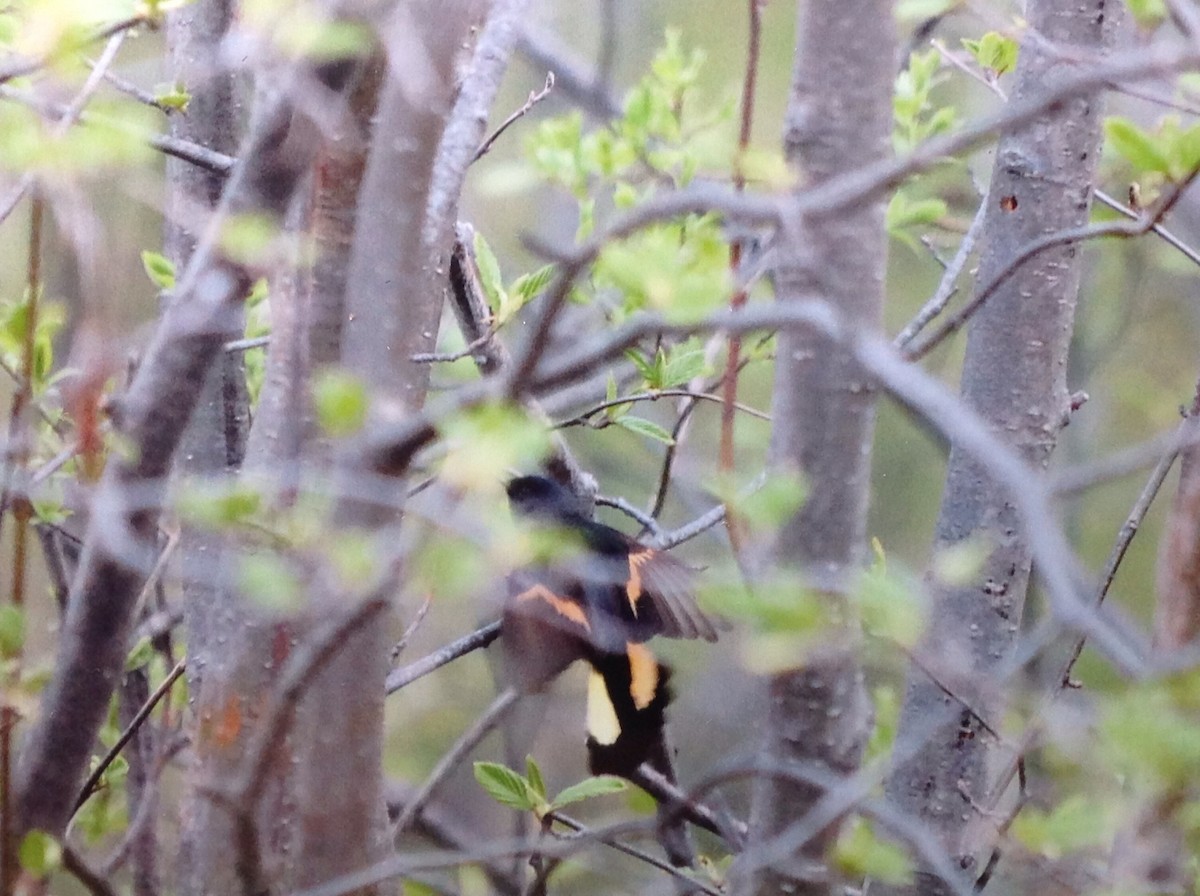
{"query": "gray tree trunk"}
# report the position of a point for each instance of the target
(839, 119)
(215, 439)
(1014, 374)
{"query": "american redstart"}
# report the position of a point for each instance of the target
(599, 599)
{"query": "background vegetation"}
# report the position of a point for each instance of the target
(180, 183)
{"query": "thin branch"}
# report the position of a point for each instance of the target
(581, 419)
(535, 97)
(619, 503)
(411, 628)
(1073, 480)
(19, 68)
(457, 754)
(93, 781)
(447, 357)
(701, 524)
(546, 52)
(1189, 253)
(200, 156)
(406, 675)
(729, 382)
(245, 345)
(1134, 65)
(693, 885)
(948, 285)
(132, 90)
(78, 868)
(1070, 236)
(70, 114)
(1128, 531)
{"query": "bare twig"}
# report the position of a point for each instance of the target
(446, 357)
(406, 675)
(70, 113)
(1073, 480)
(200, 156)
(458, 753)
(245, 345)
(641, 855)
(92, 880)
(1123, 229)
(729, 382)
(1189, 253)
(948, 284)
(619, 503)
(93, 781)
(411, 629)
(1126, 534)
(19, 67)
(585, 88)
(581, 419)
(535, 97)
(667, 540)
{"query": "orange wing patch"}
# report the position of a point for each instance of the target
(561, 605)
(643, 675)
(633, 586)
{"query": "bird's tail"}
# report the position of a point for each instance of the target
(627, 699)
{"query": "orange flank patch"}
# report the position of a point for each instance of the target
(633, 587)
(643, 675)
(561, 605)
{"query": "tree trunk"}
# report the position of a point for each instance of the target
(839, 119)
(1014, 374)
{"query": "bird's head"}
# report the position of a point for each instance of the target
(539, 498)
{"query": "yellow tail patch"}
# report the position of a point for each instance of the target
(643, 675)
(602, 722)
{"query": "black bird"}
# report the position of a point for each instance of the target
(599, 599)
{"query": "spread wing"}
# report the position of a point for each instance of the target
(665, 587)
(545, 628)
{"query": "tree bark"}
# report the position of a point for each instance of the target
(215, 439)
(839, 119)
(1014, 375)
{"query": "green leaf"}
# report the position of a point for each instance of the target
(489, 274)
(216, 508)
(529, 286)
(892, 606)
(39, 853)
(340, 400)
(505, 786)
(601, 785)
(994, 52)
(1073, 824)
(269, 583)
(904, 212)
(1137, 146)
(248, 236)
(159, 269)
(487, 441)
(771, 505)
(684, 364)
(643, 365)
(12, 631)
(1149, 14)
(860, 853)
(533, 774)
(1185, 152)
(644, 427)
(172, 96)
(140, 655)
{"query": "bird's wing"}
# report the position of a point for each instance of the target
(668, 586)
